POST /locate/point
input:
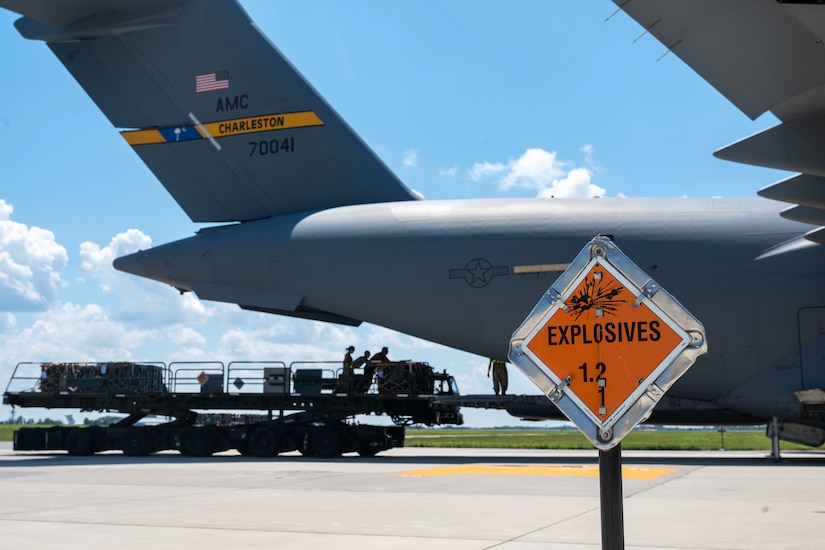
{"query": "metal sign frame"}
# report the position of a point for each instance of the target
(607, 433)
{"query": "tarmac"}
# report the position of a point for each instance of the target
(409, 498)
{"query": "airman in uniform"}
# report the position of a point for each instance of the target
(499, 369)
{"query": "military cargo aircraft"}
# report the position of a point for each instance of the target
(243, 142)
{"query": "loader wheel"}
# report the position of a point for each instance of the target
(263, 443)
(79, 442)
(199, 442)
(136, 442)
(368, 452)
(326, 443)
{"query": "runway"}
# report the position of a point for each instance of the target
(409, 498)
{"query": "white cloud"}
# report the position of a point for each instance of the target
(278, 339)
(535, 169)
(139, 300)
(543, 172)
(481, 170)
(576, 184)
(31, 262)
(187, 336)
(97, 261)
(75, 333)
(8, 322)
(411, 158)
(452, 171)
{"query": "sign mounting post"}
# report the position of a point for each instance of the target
(604, 344)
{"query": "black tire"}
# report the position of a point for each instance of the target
(325, 442)
(263, 443)
(136, 442)
(79, 442)
(199, 442)
(243, 446)
(368, 452)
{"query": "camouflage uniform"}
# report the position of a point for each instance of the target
(499, 369)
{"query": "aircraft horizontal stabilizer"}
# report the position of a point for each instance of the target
(72, 19)
(763, 55)
(803, 189)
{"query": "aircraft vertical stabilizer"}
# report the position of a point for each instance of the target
(224, 121)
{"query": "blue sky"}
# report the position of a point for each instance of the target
(461, 99)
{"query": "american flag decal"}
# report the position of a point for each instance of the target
(209, 82)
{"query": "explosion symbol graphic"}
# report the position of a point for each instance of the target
(596, 294)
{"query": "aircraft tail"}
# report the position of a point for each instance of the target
(224, 121)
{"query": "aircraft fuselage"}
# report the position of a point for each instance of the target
(465, 273)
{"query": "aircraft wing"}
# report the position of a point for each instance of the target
(763, 55)
(227, 124)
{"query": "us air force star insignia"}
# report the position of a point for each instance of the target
(478, 272)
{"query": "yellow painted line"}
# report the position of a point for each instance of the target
(628, 472)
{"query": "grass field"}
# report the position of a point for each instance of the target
(647, 439)
(686, 440)
(7, 430)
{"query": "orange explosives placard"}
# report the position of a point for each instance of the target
(603, 344)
